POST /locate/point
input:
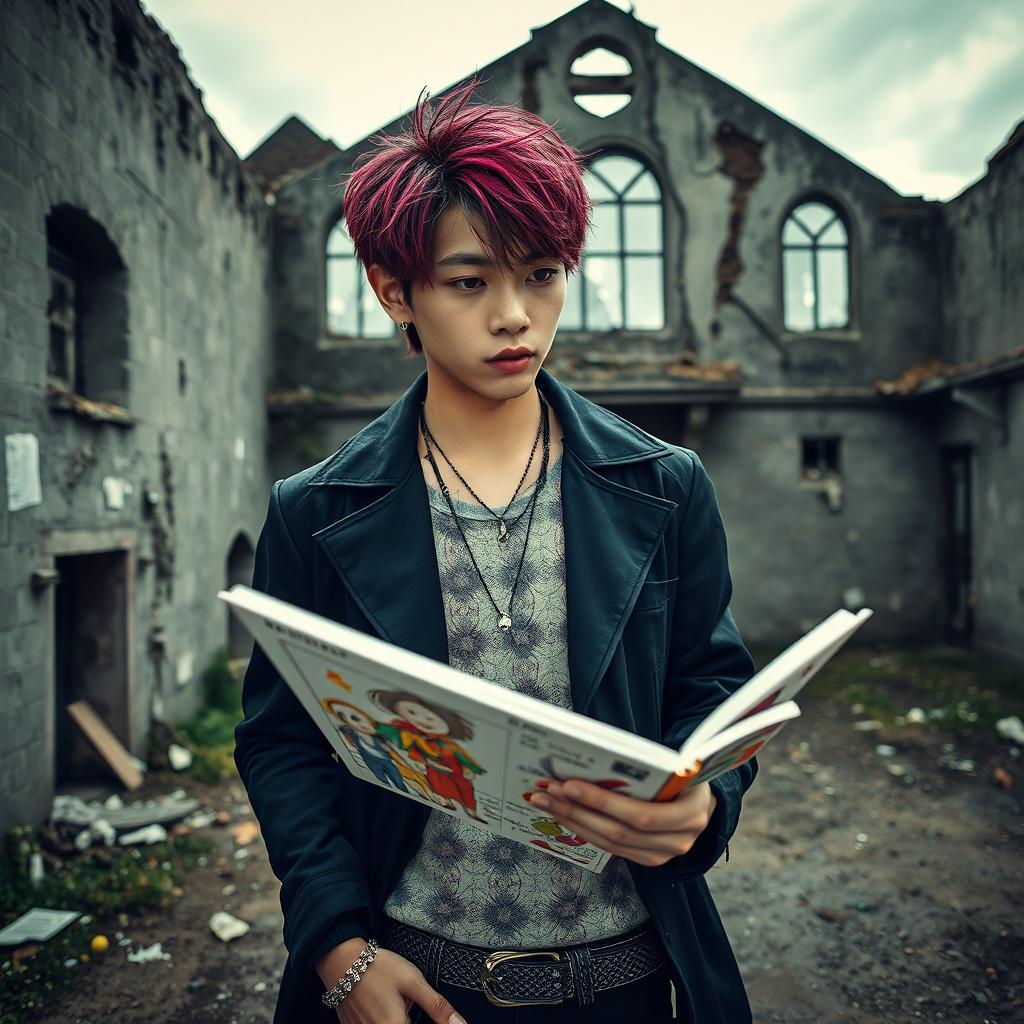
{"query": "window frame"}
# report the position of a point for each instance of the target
(851, 329)
(623, 253)
(330, 336)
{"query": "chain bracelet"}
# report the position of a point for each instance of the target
(334, 995)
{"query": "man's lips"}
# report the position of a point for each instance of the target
(511, 354)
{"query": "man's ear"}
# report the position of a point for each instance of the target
(388, 290)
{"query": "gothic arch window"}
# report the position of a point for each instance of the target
(621, 280)
(351, 308)
(815, 268)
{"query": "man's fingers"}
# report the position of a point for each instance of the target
(437, 1008)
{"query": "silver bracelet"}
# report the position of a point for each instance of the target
(337, 993)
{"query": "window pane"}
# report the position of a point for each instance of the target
(601, 61)
(797, 290)
(603, 104)
(794, 233)
(834, 234)
(604, 231)
(643, 228)
(570, 319)
(618, 171)
(814, 216)
(604, 293)
(341, 288)
(376, 323)
(596, 188)
(646, 187)
(338, 242)
(57, 365)
(645, 300)
(833, 303)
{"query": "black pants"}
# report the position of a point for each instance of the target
(647, 1000)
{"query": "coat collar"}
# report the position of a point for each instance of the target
(381, 454)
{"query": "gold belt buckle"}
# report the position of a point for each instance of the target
(500, 957)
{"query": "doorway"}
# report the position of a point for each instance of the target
(90, 658)
(958, 544)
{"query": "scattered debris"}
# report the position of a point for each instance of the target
(1002, 778)
(77, 825)
(1011, 728)
(148, 835)
(36, 925)
(867, 725)
(227, 927)
(957, 764)
(896, 769)
(245, 832)
(916, 716)
(99, 944)
(884, 750)
(148, 954)
(179, 757)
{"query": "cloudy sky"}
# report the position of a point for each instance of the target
(918, 91)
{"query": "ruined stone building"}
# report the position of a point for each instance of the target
(180, 327)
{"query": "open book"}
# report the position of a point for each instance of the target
(472, 748)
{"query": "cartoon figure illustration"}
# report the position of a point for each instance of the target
(366, 737)
(555, 830)
(430, 734)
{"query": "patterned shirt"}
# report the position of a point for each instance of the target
(464, 882)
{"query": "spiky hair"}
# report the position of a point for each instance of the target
(506, 168)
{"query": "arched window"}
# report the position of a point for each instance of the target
(87, 309)
(352, 309)
(239, 570)
(621, 280)
(815, 268)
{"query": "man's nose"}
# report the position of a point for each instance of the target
(509, 314)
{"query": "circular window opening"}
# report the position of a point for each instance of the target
(601, 81)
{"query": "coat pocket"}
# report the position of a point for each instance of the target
(654, 594)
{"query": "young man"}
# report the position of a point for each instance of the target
(495, 519)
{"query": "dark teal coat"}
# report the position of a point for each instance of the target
(652, 649)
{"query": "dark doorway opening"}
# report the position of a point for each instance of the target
(90, 659)
(957, 544)
(239, 570)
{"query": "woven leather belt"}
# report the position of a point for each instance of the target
(533, 976)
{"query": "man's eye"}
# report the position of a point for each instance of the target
(551, 271)
(462, 281)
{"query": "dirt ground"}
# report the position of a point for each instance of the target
(853, 894)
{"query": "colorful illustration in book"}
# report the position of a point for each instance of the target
(368, 738)
(430, 735)
(554, 829)
(372, 740)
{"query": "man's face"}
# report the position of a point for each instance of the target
(477, 309)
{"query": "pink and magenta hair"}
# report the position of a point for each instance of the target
(509, 171)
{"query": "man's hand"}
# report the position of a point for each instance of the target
(647, 833)
(386, 992)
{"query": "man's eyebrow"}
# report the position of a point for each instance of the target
(477, 259)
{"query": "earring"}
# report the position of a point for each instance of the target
(403, 326)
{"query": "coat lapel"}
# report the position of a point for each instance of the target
(611, 535)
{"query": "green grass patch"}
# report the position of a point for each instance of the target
(107, 894)
(210, 732)
(958, 690)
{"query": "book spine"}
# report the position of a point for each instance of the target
(676, 783)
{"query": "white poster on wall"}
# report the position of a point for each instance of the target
(23, 484)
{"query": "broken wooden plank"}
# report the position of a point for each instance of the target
(106, 743)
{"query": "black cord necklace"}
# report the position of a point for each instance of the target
(504, 618)
(503, 523)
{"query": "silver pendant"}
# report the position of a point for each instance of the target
(504, 623)
(502, 532)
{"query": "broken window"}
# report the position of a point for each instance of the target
(820, 469)
(815, 268)
(87, 311)
(621, 278)
(601, 81)
(352, 309)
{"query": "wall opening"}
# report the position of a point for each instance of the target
(90, 659)
(239, 570)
